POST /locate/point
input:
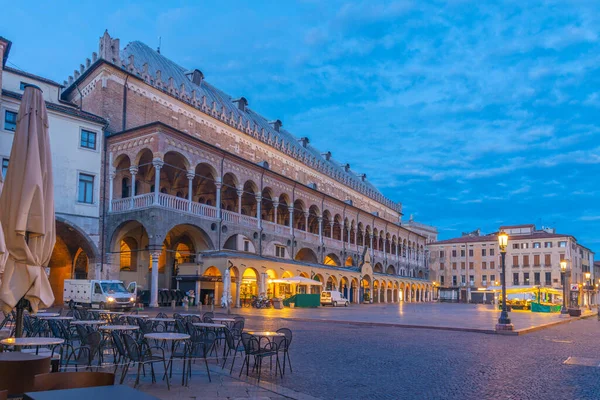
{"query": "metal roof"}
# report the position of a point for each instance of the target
(150, 61)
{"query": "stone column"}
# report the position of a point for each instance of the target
(320, 219)
(331, 224)
(218, 186)
(306, 214)
(275, 206)
(397, 250)
(154, 286)
(371, 241)
(238, 284)
(133, 170)
(190, 175)
(157, 163)
(291, 211)
(385, 294)
(258, 209)
(111, 179)
(240, 193)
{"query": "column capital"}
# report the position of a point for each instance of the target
(275, 204)
(239, 191)
(133, 170)
(190, 174)
(112, 173)
(258, 197)
(218, 184)
(155, 254)
(291, 209)
(158, 163)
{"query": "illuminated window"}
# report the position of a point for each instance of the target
(125, 259)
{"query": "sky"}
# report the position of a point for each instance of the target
(472, 114)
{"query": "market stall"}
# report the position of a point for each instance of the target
(299, 297)
(530, 298)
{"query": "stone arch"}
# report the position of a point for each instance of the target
(267, 208)
(337, 227)
(307, 254)
(204, 189)
(332, 283)
(173, 174)
(313, 219)
(349, 262)
(299, 220)
(360, 235)
(332, 259)
(391, 270)
(326, 224)
(240, 242)
(378, 268)
(229, 196)
(317, 289)
(249, 202)
(250, 283)
(283, 210)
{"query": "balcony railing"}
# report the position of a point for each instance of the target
(276, 228)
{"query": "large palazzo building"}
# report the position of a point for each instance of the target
(193, 182)
(465, 264)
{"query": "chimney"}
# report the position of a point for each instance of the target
(196, 76)
(276, 125)
(327, 155)
(242, 103)
(304, 141)
(347, 167)
(363, 177)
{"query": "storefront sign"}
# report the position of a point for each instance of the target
(575, 287)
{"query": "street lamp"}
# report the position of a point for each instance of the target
(563, 273)
(588, 284)
(503, 321)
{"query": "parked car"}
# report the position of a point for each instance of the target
(333, 298)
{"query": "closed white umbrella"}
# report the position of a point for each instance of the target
(298, 280)
(27, 209)
(3, 252)
(226, 297)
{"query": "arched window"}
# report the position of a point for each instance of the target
(125, 188)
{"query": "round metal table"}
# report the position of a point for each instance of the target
(88, 322)
(119, 328)
(45, 314)
(173, 337)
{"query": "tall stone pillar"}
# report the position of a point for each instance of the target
(133, 170)
(190, 175)
(331, 224)
(258, 209)
(291, 211)
(306, 214)
(218, 186)
(240, 193)
(320, 219)
(111, 184)
(275, 206)
(157, 163)
(238, 283)
(154, 286)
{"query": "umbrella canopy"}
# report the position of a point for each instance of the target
(298, 280)
(226, 298)
(3, 252)
(27, 208)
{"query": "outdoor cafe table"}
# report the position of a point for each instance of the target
(265, 334)
(46, 314)
(58, 318)
(111, 328)
(32, 341)
(208, 325)
(174, 338)
(224, 321)
(93, 393)
(88, 322)
(161, 319)
(138, 316)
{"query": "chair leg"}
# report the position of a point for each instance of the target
(124, 372)
(233, 362)
(259, 361)
(225, 355)
(152, 372)
(137, 378)
(207, 370)
(166, 375)
(289, 362)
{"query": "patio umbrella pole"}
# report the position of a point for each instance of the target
(20, 308)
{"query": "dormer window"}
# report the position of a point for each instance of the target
(277, 124)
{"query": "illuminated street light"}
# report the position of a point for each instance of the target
(503, 321)
(588, 283)
(563, 274)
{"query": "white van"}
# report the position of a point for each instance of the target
(333, 298)
(102, 294)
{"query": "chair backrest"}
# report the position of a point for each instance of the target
(118, 342)
(177, 316)
(229, 339)
(179, 326)
(55, 329)
(237, 328)
(93, 341)
(133, 349)
(190, 328)
(17, 372)
(145, 327)
(82, 332)
(250, 342)
(209, 314)
(207, 319)
(195, 318)
(162, 315)
(72, 380)
(288, 335)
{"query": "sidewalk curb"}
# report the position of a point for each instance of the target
(517, 332)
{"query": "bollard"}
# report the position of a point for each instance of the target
(173, 304)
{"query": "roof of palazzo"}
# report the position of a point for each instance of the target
(147, 62)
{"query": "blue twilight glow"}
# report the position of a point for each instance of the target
(473, 114)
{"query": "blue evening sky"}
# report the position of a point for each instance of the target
(472, 114)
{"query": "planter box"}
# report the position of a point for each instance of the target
(574, 312)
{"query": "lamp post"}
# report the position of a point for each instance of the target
(503, 322)
(588, 284)
(563, 273)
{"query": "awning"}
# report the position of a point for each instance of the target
(297, 280)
